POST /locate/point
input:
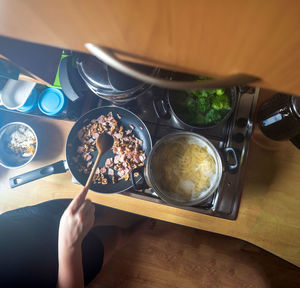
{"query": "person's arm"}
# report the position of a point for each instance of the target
(75, 223)
(70, 273)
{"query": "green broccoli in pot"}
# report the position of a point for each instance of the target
(206, 106)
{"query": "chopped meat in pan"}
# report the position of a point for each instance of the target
(126, 147)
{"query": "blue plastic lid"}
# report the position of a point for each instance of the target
(31, 102)
(52, 101)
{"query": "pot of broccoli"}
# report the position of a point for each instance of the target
(205, 107)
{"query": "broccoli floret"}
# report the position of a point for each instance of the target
(206, 106)
(220, 91)
(220, 102)
(211, 91)
(204, 93)
(199, 94)
(212, 116)
(203, 104)
(199, 101)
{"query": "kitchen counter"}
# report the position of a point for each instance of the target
(269, 214)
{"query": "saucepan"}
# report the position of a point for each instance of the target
(125, 118)
(175, 106)
(169, 178)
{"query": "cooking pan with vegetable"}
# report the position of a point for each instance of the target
(197, 109)
(132, 145)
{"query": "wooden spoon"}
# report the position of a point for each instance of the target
(103, 143)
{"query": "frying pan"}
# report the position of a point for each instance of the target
(73, 142)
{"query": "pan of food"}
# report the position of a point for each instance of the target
(132, 144)
(197, 109)
(183, 169)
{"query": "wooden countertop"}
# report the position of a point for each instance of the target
(269, 214)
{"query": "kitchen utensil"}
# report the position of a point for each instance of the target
(279, 118)
(8, 158)
(153, 178)
(128, 118)
(104, 143)
(52, 102)
(108, 57)
(173, 107)
(15, 93)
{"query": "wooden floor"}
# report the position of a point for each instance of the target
(176, 256)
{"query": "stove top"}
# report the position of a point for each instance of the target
(230, 138)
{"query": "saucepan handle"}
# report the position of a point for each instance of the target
(56, 168)
(161, 109)
(138, 186)
(228, 151)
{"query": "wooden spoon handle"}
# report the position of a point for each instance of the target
(89, 181)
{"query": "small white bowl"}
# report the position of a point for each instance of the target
(8, 158)
(15, 93)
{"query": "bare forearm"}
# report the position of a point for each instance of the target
(75, 223)
(70, 272)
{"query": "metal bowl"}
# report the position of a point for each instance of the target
(9, 158)
(154, 178)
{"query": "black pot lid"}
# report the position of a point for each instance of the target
(93, 72)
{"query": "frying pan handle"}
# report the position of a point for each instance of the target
(58, 167)
(141, 186)
(228, 151)
(160, 108)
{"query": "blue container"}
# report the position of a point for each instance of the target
(31, 103)
(52, 102)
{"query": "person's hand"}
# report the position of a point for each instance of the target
(76, 221)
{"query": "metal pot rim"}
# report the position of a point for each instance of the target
(150, 178)
(208, 126)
